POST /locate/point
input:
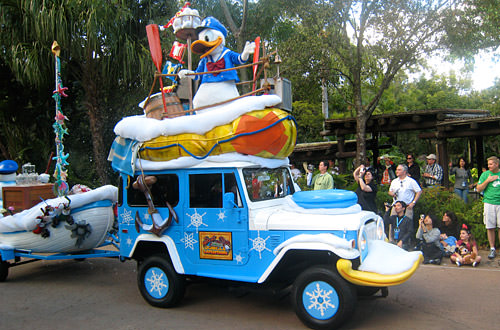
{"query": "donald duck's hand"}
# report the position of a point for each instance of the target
(184, 73)
(247, 50)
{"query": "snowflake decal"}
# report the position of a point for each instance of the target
(157, 282)
(259, 244)
(146, 215)
(196, 219)
(127, 217)
(239, 258)
(221, 215)
(129, 241)
(189, 241)
(320, 299)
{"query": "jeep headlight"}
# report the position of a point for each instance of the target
(362, 243)
(380, 229)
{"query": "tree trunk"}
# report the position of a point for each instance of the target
(5, 153)
(243, 72)
(90, 85)
(361, 119)
(239, 34)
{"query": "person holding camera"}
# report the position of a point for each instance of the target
(398, 227)
(405, 189)
(429, 237)
(367, 189)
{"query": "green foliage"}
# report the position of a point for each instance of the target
(310, 121)
(105, 50)
(302, 182)
(26, 134)
(105, 63)
(474, 26)
(342, 181)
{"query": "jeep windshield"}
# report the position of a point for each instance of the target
(268, 183)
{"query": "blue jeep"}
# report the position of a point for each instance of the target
(248, 224)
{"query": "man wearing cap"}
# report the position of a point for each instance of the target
(433, 173)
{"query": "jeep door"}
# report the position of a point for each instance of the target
(214, 236)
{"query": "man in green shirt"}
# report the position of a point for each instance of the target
(323, 180)
(489, 182)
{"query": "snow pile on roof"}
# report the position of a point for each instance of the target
(185, 162)
(141, 128)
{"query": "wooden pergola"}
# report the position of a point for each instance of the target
(438, 124)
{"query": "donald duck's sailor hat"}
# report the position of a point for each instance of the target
(212, 23)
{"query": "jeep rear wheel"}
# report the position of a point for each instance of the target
(4, 270)
(159, 283)
(322, 299)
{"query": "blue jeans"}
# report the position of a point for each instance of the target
(462, 193)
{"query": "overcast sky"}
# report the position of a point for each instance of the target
(486, 68)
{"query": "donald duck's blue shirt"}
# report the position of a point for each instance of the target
(231, 59)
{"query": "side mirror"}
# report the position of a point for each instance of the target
(228, 201)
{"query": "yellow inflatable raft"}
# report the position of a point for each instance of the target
(269, 133)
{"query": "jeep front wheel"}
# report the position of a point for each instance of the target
(322, 299)
(159, 283)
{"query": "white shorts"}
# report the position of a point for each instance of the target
(491, 216)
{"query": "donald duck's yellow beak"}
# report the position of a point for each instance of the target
(204, 48)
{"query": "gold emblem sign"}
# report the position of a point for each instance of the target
(216, 245)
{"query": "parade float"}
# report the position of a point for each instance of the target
(67, 222)
(205, 190)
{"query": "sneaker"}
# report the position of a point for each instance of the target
(436, 261)
(474, 264)
(426, 261)
(458, 263)
(492, 254)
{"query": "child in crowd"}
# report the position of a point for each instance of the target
(466, 252)
(449, 233)
(429, 237)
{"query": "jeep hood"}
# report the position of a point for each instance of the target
(288, 216)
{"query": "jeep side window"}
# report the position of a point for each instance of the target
(205, 190)
(268, 183)
(165, 189)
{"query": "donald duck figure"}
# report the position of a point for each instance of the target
(215, 87)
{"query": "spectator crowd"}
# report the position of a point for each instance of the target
(436, 238)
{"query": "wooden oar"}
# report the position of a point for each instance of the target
(153, 33)
(255, 59)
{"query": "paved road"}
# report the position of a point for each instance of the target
(102, 293)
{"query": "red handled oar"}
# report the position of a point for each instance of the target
(255, 59)
(155, 47)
